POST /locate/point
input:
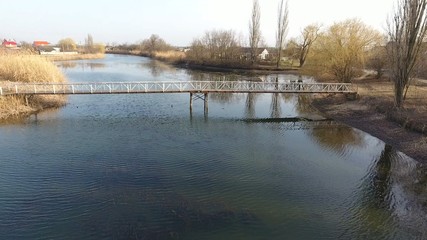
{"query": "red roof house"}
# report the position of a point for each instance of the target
(9, 43)
(40, 43)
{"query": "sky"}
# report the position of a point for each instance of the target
(178, 22)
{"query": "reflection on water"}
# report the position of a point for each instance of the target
(339, 139)
(157, 68)
(260, 166)
(250, 105)
(82, 65)
(389, 198)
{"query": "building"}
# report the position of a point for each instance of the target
(37, 44)
(264, 54)
(9, 43)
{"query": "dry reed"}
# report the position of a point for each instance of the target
(169, 56)
(26, 67)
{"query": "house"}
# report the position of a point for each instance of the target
(37, 44)
(263, 55)
(9, 43)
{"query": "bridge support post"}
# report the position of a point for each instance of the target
(202, 96)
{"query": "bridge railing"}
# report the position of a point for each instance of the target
(174, 87)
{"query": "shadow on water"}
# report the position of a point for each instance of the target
(167, 214)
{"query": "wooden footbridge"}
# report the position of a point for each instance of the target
(197, 89)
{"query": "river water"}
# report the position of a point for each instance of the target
(144, 167)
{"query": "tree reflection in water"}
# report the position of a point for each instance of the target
(389, 197)
(338, 138)
(275, 106)
(250, 105)
(157, 68)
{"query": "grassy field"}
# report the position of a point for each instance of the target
(380, 93)
(26, 67)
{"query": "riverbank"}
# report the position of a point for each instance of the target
(373, 113)
(177, 59)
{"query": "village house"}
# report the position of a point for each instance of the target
(37, 44)
(262, 53)
(9, 43)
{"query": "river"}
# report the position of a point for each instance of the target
(143, 166)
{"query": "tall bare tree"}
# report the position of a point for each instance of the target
(254, 30)
(282, 28)
(89, 43)
(309, 36)
(407, 30)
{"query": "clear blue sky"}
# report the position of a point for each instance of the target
(176, 21)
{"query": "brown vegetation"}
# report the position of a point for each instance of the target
(374, 112)
(24, 67)
(171, 56)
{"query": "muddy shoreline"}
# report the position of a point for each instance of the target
(365, 116)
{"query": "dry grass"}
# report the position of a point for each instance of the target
(374, 113)
(26, 67)
(381, 92)
(170, 56)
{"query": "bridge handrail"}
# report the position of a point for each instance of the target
(174, 87)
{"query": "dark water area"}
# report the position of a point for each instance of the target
(257, 166)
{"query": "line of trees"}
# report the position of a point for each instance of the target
(340, 52)
(69, 45)
(216, 47)
(346, 48)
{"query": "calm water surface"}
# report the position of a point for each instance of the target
(144, 167)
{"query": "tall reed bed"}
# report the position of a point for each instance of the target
(24, 67)
(170, 56)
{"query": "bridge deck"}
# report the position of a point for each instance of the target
(174, 87)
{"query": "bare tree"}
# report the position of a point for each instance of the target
(89, 44)
(377, 60)
(309, 36)
(407, 30)
(154, 44)
(282, 28)
(216, 47)
(254, 30)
